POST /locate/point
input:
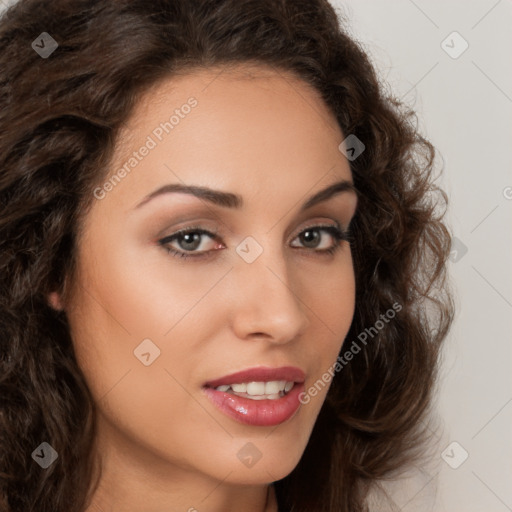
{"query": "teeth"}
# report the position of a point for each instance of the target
(272, 387)
(259, 390)
(266, 397)
(256, 388)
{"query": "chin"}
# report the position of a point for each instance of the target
(262, 459)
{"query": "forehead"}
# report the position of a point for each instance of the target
(251, 129)
(242, 95)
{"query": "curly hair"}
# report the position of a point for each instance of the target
(59, 121)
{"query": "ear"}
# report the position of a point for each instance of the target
(55, 301)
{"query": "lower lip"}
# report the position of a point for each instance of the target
(261, 413)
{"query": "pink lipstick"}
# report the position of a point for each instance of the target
(261, 396)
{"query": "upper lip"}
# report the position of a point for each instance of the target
(260, 374)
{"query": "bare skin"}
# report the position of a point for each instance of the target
(269, 138)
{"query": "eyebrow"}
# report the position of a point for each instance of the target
(230, 200)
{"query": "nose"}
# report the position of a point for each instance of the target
(267, 304)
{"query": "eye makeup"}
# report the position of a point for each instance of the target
(192, 233)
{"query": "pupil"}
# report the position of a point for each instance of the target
(311, 235)
(194, 238)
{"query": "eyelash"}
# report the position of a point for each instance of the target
(338, 234)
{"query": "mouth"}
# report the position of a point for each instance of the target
(271, 390)
(260, 396)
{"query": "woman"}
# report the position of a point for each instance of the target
(220, 241)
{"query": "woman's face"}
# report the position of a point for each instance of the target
(151, 328)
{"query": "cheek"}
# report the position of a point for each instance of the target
(330, 295)
(138, 320)
(136, 290)
(115, 308)
(333, 305)
(122, 312)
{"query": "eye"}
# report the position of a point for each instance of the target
(191, 239)
(312, 239)
(188, 241)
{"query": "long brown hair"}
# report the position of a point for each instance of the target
(59, 121)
